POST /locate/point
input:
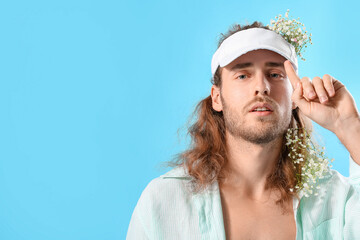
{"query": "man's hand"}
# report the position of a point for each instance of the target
(326, 101)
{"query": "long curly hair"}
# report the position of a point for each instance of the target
(207, 155)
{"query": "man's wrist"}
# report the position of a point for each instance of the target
(349, 135)
(348, 129)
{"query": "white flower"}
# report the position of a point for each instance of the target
(290, 29)
(314, 165)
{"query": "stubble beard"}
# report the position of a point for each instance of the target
(265, 130)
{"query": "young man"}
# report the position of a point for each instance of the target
(238, 181)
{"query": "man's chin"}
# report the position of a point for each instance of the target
(270, 118)
(264, 123)
(261, 137)
(264, 130)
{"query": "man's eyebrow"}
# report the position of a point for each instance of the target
(274, 64)
(249, 64)
(241, 65)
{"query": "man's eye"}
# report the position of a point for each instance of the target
(242, 76)
(275, 75)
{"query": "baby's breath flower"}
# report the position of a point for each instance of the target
(309, 158)
(291, 31)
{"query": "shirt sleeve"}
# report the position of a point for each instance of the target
(354, 177)
(141, 218)
(352, 215)
(136, 228)
(352, 206)
(147, 217)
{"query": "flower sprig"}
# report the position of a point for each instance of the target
(308, 159)
(292, 33)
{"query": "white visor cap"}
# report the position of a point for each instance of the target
(252, 39)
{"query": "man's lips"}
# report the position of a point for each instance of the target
(261, 113)
(266, 106)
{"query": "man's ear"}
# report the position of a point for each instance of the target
(293, 105)
(216, 100)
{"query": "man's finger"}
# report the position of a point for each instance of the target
(329, 85)
(299, 99)
(290, 72)
(308, 88)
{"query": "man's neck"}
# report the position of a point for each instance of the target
(249, 165)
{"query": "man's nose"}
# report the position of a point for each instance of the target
(262, 85)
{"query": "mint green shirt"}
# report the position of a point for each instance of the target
(167, 210)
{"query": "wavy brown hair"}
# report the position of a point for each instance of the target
(207, 155)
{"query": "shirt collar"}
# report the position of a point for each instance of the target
(177, 172)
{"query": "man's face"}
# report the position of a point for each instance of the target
(257, 80)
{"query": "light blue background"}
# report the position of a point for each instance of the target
(92, 94)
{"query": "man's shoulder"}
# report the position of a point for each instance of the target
(166, 202)
(170, 189)
(172, 179)
(339, 178)
(173, 182)
(334, 180)
(333, 186)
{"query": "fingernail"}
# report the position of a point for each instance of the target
(323, 99)
(311, 94)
